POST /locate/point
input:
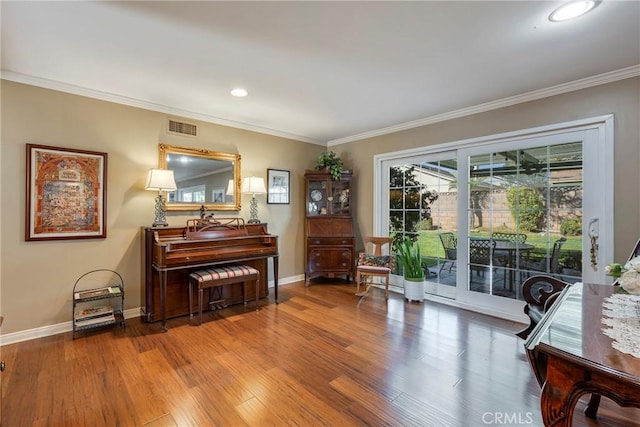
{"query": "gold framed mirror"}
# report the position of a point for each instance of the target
(203, 178)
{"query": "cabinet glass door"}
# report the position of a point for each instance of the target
(317, 197)
(339, 198)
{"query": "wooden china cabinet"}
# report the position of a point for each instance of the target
(330, 242)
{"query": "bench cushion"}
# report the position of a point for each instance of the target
(222, 273)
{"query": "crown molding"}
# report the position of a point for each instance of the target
(625, 73)
(132, 102)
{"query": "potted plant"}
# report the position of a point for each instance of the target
(331, 162)
(410, 260)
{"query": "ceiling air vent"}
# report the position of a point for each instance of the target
(182, 128)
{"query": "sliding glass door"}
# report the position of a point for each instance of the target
(422, 205)
(488, 215)
(525, 215)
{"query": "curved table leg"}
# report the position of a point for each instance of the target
(560, 392)
(592, 407)
(557, 410)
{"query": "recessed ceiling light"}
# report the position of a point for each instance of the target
(572, 10)
(239, 92)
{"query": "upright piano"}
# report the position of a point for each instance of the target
(172, 253)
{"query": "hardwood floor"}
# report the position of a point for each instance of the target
(317, 358)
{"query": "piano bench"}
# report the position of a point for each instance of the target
(220, 276)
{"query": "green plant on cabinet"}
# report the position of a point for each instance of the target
(331, 162)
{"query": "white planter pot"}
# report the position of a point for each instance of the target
(414, 290)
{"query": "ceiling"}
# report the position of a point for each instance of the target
(320, 72)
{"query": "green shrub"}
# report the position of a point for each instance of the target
(571, 259)
(571, 227)
(425, 224)
(527, 207)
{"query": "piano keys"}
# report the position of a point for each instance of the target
(172, 253)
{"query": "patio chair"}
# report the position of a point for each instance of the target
(504, 258)
(549, 264)
(512, 237)
(481, 254)
(450, 246)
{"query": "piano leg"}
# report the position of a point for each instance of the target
(163, 298)
(275, 277)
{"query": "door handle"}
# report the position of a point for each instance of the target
(593, 230)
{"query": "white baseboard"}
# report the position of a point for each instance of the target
(287, 280)
(46, 331)
(61, 328)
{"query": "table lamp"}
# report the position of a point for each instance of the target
(253, 185)
(160, 180)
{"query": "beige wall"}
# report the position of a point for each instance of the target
(621, 98)
(37, 278)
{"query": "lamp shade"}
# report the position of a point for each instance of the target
(253, 185)
(231, 188)
(160, 180)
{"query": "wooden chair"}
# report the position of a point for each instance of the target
(374, 264)
(539, 293)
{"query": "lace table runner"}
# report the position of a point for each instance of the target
(622, 316)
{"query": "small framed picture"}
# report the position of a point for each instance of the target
(217, 195)
(278, 188)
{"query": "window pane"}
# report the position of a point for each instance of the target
(535, 193)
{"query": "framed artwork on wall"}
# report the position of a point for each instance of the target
(278, 187)
(66, 193)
